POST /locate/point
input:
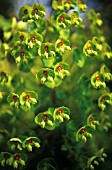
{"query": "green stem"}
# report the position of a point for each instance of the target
(54, 96)
(72, 63)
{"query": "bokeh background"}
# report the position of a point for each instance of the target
(10, 8)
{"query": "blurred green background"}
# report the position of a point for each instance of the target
(9, 8)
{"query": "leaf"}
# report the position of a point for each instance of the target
(64, 33)
(26, 66)
(7, 35)
(16, 80)
(25, 108)
(15, 140)
(71, 130)
(100, 152)
(24, 12)
(90, 160)
(57, 5)
(48, 62)
(79, 58)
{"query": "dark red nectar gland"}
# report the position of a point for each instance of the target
(68, 1)
(33, 38)
(102, 99)
(17, 157)
(73, 16)
(35, 10)
(59, 68)
(22, 47)
(22, 54)
(104, 121)
(105, 71)
(30, 140)
(80, 2)
(21, 37)
(60, 111)
(2, 74)
(44, 117)
(25, 11)
(90, 48)
(106, 50)
(62, 18)
(83, 130)
(46, 48)
(14, 97)
(60, 43)
(27, 96)
(5, 155)
(98, 78)
(91, 119)
(45, 73)
(15, 47)
(3, 51)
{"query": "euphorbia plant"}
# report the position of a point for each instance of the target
(54, 82)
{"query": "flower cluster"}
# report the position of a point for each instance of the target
(65, 20)
(98, 78)
(95, 18)
(53, 117)
(53, 77)
(26, 101)
(24, 142)
(14, 160)
(92, 47)
(69, 4)
(97, 46)
(63, 4)
(84, 132)
(104, 99)
(35, 12)
(105, 121)
(99, 156)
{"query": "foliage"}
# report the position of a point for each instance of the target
(55, 83)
